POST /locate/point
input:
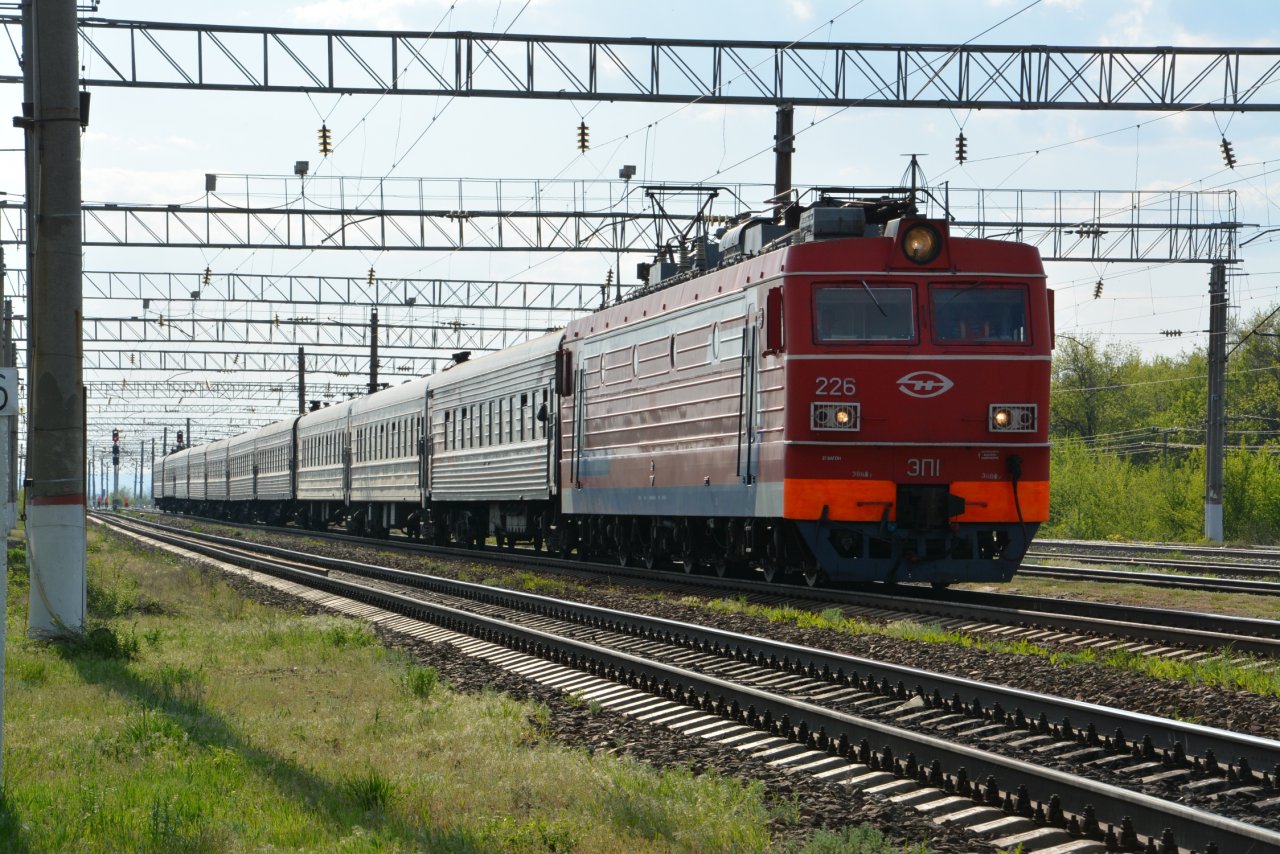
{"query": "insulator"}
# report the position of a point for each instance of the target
(583, 144)
(326, 141)
(1097, 290)
(372, 276)
(1171, 333)
(961, 148)
(207, 277)
(608, 277)
(1228, 156)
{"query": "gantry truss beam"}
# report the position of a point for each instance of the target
(158, 391)
(497, 298)
(273, 59)
(293, 332)
(392, 369)
(1066, 225)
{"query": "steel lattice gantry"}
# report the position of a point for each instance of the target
(241, 362)
(556, 298)
(1065, 225)
(202, 56)
(296, 332)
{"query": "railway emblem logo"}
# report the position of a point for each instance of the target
(924, 384)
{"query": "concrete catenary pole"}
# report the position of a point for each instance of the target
(56, 440)
(1215, 432)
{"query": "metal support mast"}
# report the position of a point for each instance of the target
(1215, 432)
(783, 147)
(56, 448)
(373, 351)
(302, 381)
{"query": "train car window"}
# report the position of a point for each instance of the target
(773, 341)
(979, 314)
(860, 313)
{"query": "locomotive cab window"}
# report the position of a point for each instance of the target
(859, 312)
(979, 314)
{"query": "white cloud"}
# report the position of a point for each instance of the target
(802, 9)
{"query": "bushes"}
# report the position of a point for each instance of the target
(1103, 496)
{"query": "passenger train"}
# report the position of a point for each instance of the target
(851, 395)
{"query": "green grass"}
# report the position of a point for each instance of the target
(1219, 671)
(210, 723)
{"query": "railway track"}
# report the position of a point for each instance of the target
(1070, 624)
(1221, 553)
(1015, 766)
(1154, 579)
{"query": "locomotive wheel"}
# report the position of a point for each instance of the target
(812, 575)
(771, 571)
(654, 548)
(687, 546)
(723, 566)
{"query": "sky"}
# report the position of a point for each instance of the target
(154, 146)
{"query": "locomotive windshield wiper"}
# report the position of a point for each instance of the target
(874, 301)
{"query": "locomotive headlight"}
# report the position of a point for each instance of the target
(1012, 418)
(921, 243)
(834, 416)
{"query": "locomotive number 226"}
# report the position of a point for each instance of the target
(836, 386)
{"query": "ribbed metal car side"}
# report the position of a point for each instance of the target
(273, 452)
(216, 470)
(491, 423)
(240, 465)
(323, 454)
(385, 431)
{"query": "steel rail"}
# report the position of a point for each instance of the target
(1191, 827)
(1205, 551)
(1152, 579)
(1264, 569)
(1196, 739)
(1160, 625)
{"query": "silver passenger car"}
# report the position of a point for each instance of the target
(216, 471)
(491, 456)
(272, 469)
(386, 472)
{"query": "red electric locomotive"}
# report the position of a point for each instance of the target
(862, 397)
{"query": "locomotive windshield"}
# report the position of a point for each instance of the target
(860, 312)
(979, 314)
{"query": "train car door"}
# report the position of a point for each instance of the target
(342, 437)
(424, 451)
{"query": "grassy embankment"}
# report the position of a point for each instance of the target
(193, 719)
